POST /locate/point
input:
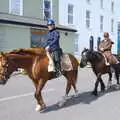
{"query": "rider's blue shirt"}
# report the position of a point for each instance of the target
(53, 40)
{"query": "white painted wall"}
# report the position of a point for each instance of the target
(80, 7)
(13, 36)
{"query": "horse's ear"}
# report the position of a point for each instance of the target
(85, 48)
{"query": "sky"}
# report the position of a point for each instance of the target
(118, 9)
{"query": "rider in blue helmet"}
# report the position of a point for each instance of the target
(52, 45)
(50, 22)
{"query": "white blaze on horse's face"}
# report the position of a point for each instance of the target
(84, 53)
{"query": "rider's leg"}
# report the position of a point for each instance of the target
(106, 60)
(57, 62)
(114, 59)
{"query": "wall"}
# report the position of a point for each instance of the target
(15, 37)
(67, 42)
(4, 6)
(33, 8)
(80, 21)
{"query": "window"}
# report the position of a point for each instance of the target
(91, 42)
(112, 7)
(101, 4)
(101, 23)
(87, 19)
(98, 42)
(70, 14)
(76, 45)
(47, 9)
(38, 37)
(88, 1)
(112, 25)
(16, 7)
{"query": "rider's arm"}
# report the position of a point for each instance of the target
(112, 42)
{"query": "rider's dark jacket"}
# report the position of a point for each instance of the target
(53, 40)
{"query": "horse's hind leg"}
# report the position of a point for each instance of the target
(69, 83)
(74, 80)
(68, 87)
(71, 77)
(102, 85)
(117, 77)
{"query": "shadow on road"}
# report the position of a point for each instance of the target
(82, 98)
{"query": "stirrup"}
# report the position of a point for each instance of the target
(58, 74)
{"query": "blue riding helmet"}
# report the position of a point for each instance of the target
(50, 22)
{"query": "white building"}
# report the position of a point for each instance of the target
(23, 22)
(90, 18)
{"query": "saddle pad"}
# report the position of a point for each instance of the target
(66, 64)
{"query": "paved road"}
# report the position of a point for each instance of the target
(17, 100)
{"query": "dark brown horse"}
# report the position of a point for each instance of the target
(97, 61)
(35, 62)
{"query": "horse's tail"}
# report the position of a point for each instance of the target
(75, 64)
(78, 64)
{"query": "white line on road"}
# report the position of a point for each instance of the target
(23, 95)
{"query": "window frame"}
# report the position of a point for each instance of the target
(101, 4)
(71, 14)
(101, 23)
(76, 46)
(20, 9)
(49, 10)
(112, 6)
(88, 1)
(88, 16)
(112, 25)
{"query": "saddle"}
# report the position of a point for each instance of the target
(106, 60)
(66, 64)
(109, 58)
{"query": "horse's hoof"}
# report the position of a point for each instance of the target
(109, 84)
(76, 95)
(117, 86)
(43, 107)
(61, 103)
(37, 108)
(40, 108)
(94, 93)
(103, 89)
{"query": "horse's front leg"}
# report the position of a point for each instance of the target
(102, 85)
(96, 85)
(38, 95)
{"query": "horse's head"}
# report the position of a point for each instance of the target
(3, 68)
(84, 57)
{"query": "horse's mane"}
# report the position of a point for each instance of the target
(29, 51)
(95, 55)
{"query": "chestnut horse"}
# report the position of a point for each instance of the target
(35, 62)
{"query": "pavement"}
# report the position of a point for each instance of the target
(17, 100)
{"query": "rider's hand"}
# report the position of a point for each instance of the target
(47, 48)
(102, 49)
